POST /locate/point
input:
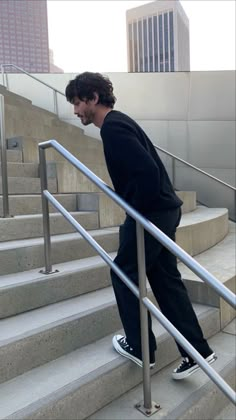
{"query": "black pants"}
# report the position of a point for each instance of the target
(165, 281)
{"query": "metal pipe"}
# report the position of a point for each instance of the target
(173, 171)
(32, 77)
(195, 167)
(55, 102)
(222, 290)
(45, 209)
(143, 317)
(216, 378)
(3, 75)
(5, 199)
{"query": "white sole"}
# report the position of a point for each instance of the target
(178, 376)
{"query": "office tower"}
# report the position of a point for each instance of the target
(24, 34)
(158, 37)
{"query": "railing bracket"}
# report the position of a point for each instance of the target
(148, 412)
(48, 272)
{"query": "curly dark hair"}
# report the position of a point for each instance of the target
(86, 84)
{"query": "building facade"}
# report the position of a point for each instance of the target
(158, 37)
(24, 34)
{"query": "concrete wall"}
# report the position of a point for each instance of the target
(191, 114)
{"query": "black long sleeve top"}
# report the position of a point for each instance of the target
(136, 170)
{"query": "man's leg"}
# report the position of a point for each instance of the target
(127, 302)
(168, 287)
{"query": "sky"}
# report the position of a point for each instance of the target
(91, 35)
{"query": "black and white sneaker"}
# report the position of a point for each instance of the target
(187, 367)
(122, 347)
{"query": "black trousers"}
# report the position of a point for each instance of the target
(165, 281)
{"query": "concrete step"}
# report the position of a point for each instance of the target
(21, 292)
(90, 154)
(63, 387)
(31, 226)
(18, 169)
(191, 399)
(219, 261)
(13, 156)
(212, 224)
(23, 255)
(32, 204)
(111, 214)
(25, 185)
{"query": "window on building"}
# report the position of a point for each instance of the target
(145, 45)
(150, 43)
(161, 43)
(172, 55)
(155, 37)
(140, 44)
(166, 42)
(135, 47)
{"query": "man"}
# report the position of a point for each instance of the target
(140, 178)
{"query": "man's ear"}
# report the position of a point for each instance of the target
(96, 98)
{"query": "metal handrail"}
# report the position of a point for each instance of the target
(145, 304)
(195, 167)
(5, 201)
(55, 91)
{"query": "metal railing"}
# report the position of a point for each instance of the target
(6, 83)
(5, 202)
(148, 406)
(230, 203)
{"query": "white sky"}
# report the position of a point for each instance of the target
(91, 35)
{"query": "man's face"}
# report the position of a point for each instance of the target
(85, 110)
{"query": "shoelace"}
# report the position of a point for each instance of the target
(125, 344)
(184, 362)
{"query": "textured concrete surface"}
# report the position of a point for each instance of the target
(63, 387)
(219, 261)
(31, 226)
(193, 398)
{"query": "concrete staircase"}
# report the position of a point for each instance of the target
(56, 357)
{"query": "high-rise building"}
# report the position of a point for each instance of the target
(158, 37)
(24, 34)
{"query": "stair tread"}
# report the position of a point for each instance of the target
(54, 238)
(16, 279)
(173, 396)
(218, 260)
(54, 376)
(200, 214)
(29, 322)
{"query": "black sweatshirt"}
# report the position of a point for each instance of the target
(136, 171)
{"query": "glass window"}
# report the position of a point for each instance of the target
(150, 30)
(140, 44)
(161, 42)
(166, 38)
(172, 55)
(155, 33)
(131, 47)
(145, 45)
(135, 47)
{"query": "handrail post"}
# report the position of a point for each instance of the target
(147, 406)
(3, 78)
(5, 201)
(45, 209)
(173, 171)
(55, 102)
